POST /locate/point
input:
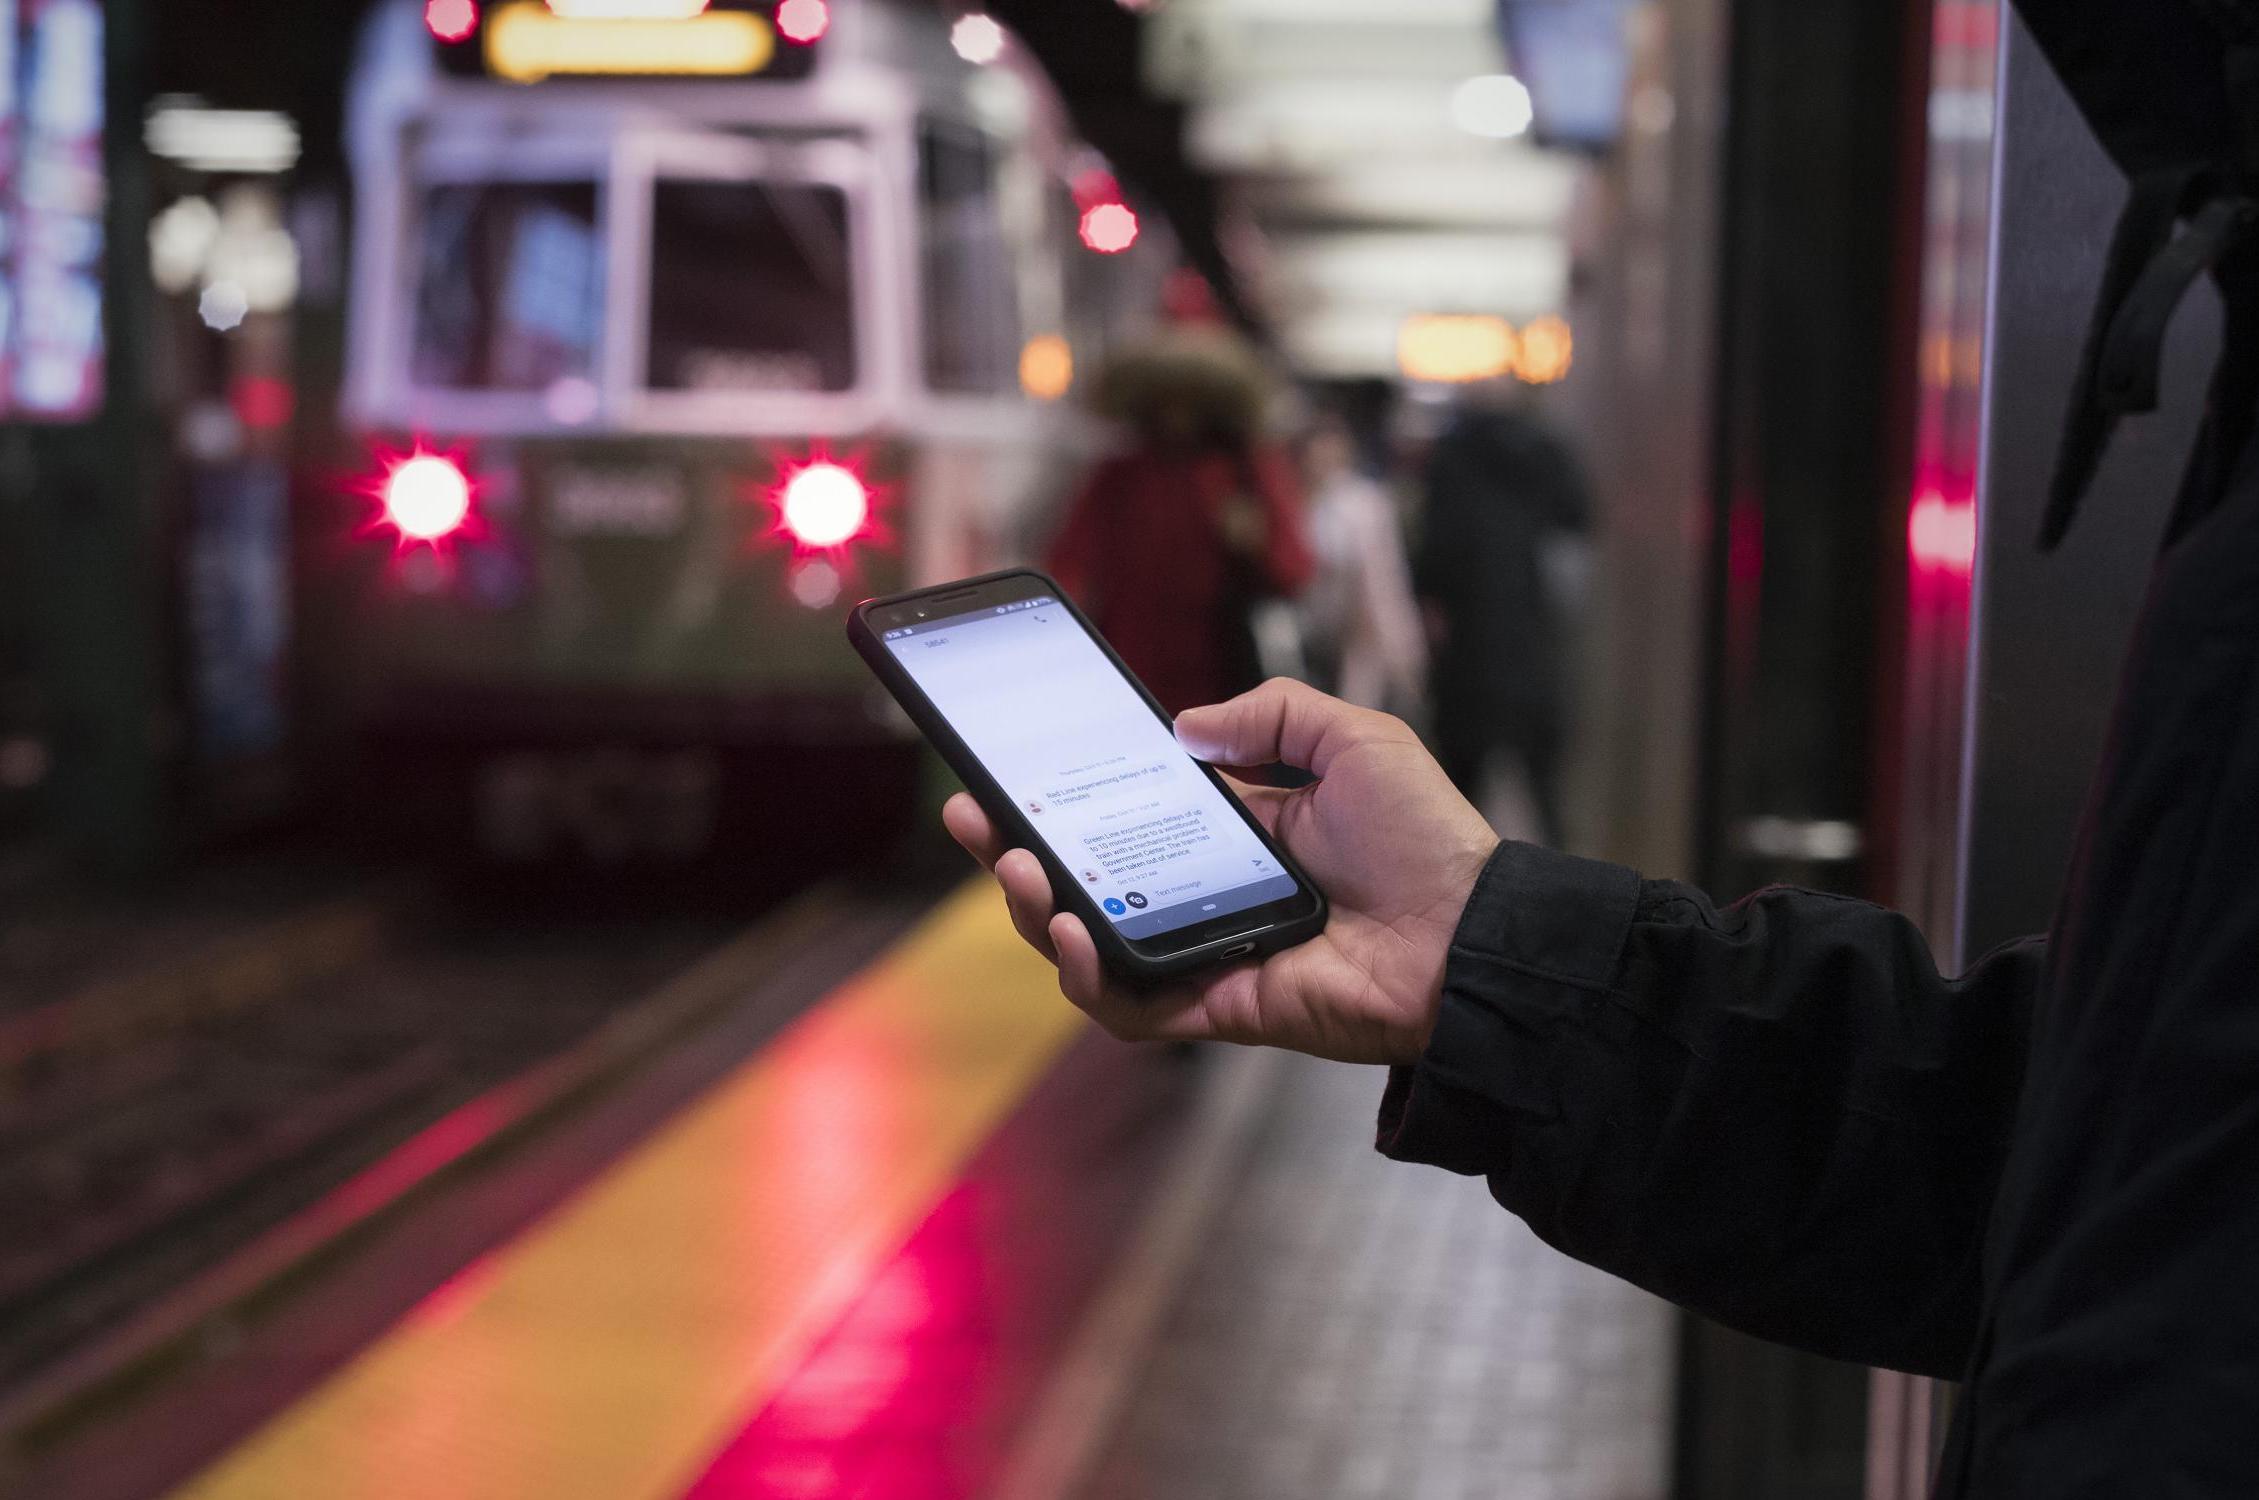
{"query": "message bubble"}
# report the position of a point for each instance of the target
(1097, 786)
(1124, 853)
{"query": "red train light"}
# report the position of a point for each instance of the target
(1941, 536)
(428, 498)
(451, 20)
(804, 21)
(825, 506)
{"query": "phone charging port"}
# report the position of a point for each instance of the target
(1238, 950)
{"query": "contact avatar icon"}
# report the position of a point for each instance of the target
(1090, 876)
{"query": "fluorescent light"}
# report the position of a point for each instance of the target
(222, 140)
(1420, 271)
(1496, 105)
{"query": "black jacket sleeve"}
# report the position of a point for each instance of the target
(1778, 1115)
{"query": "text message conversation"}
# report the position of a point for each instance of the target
(1095, 769)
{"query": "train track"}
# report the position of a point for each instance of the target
(170, 1149)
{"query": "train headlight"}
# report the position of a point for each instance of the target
(825, 506)
(427, 497)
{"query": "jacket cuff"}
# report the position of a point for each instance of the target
(1542, 935)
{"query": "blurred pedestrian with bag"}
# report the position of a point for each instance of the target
(1177, 543)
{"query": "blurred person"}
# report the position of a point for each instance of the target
(1503, 496)
(2041, 1178)
(1174, 544)
(1361, 629)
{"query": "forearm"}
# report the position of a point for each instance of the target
(1780, 1115)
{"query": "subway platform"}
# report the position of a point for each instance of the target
(902, 1224)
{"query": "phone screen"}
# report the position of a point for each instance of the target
(1098, 773)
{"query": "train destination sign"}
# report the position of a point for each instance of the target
(533, 41)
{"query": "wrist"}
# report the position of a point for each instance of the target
(1441, 928)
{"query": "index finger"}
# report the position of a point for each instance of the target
(969, 826)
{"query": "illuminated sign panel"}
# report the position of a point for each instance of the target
(628, 10)
(533, 41)
(51, 210)
(1462, 349)
(1456, 350)
(527, 42)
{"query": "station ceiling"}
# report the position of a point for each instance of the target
(1306, 151)
(1309, 153)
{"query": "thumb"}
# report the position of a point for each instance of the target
(1282, 720)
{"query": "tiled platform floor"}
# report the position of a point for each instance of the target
(1356, 1328)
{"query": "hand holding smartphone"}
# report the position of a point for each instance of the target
(1065, 750)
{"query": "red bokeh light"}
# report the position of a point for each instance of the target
(1941, 536)
(1109, 228)
(824, 506)
(451, 20)
(263, 402)
(803, 21)
(427, 498)
(1095, 186)
(1187, 298)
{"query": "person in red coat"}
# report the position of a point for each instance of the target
(1172, 544)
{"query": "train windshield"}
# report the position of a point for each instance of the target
(750, 287)
(972, 311)
(509, 285)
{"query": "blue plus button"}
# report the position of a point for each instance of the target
(1114, 907)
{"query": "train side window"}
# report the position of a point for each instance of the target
(972, 313)
(751, 287)
(509, 285)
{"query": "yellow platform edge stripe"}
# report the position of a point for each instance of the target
(611, 1350)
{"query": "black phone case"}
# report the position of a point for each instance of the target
(1124, 961)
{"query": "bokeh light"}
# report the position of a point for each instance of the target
(1047, 367)
(427, 497)
(803, 21)
(451, 20)
(825, 505)
(1109, 228)
(977, 38)
(1548, 351)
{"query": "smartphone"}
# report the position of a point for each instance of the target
(1075, 761)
